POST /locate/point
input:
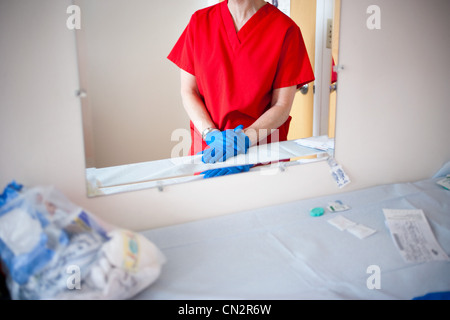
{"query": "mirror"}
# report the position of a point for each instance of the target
(129, 91)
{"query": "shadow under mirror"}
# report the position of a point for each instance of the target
(136, 130)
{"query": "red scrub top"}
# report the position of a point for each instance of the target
(236, 72)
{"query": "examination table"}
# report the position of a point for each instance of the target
(283, 252)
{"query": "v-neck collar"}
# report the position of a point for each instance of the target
(236, 38)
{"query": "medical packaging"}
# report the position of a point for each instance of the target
(51, 248)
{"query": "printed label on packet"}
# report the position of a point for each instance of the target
(337, 206)
(338, 174)
(130, 251)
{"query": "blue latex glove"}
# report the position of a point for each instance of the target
(225, 144)
(225, 171)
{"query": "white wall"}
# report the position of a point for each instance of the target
(392, 121)
(132, 88)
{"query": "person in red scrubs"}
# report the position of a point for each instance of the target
(241, 63)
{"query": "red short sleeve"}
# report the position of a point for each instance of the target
(294, 66)
(182, 53)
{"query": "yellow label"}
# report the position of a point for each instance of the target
(130, 251)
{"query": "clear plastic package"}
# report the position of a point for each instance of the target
(51, 248)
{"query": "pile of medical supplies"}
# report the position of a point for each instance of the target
(51, 248)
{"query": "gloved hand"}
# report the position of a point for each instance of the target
(225, 171)
(225, 144)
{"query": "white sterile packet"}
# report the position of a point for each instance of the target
(358, 230)
(361, 231)
(341, 223)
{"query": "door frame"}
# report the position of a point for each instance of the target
(323, 65)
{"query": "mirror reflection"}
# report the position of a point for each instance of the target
(138, 129)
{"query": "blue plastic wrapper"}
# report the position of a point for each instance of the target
(445, 295)
(11, 191)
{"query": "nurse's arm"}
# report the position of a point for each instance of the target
(273, 118)
(193, 103)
